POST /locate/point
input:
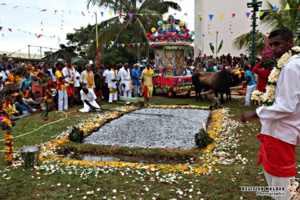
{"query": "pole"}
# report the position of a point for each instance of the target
(41, 52)
(254, 5)
(97, 44)
(217, 44)
(29, 51)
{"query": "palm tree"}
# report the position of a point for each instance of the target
(273, 20)
(244, 42)
(139, 16)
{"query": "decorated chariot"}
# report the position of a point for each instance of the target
(170, 42)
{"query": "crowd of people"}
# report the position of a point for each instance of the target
(70, 84)
(88, 85)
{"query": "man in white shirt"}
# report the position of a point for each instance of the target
(77, 83)
(112, 84)
(125, 81)
(87, 77)
(69, 72)
(280, 121)
(89, 100)
(119, 70)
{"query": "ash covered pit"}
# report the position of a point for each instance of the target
(152, 128)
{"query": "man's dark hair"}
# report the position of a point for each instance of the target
(59, 64)
(285, 33)
(19, 97)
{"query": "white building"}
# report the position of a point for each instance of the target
(217, 20)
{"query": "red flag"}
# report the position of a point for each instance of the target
(120, 15)
(10, 29)
(233, 15)
(128, 45)
(0, 28)
(298, 7)
(55, 11)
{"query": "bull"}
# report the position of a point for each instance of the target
(220, 82)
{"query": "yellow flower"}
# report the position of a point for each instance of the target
(7, 122)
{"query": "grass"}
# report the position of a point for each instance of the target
(63, 182)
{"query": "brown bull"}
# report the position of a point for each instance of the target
(220, 82)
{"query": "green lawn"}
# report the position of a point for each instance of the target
(69, 182)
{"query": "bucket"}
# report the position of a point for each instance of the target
(30, 155)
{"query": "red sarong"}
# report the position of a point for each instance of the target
(277, 157)
(146, 92)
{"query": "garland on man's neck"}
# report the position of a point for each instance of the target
(267, 98)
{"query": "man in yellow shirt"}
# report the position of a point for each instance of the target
(147, 76)
(61, 88)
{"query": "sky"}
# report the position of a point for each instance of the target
(46, 23)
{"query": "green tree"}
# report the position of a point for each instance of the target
(79, 41)
(139, 16)
(273, 20)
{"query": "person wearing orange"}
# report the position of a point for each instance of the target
(87, 77)
(61, 88)
(69, 72)
(147, 76)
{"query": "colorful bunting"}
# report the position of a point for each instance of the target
(274, 8)
(287, 7)
(0, 28)
(261, 13)
(38, 36)
(248, 14)
(82, 13)
(221, 16)
(104, 45)
(102, 13)
(130, 15)
(128, 45)
(211, 16)
(123, 45)
(199, 16)
(233, 15)
(10, 30)
(44, 10)
(118, 45)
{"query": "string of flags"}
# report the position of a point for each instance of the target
(37, 35)
(86, 13)
(111, 14)
(248, 14)
(118, 45)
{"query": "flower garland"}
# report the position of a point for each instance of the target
(8, 138)
(268, 97)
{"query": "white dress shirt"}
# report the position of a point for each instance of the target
(282, 119)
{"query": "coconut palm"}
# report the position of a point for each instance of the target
(135, 16)
(244, 42)
(273, 20)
